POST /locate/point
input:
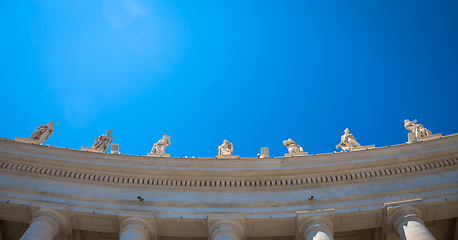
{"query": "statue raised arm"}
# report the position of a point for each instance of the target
(418, 129)
(43, 132)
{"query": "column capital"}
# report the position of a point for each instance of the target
(315, 222)
(397, 215)
(46, 224)
(139, 224)
(308, 221)
(51, 216)
(220, 223)
(225, 225)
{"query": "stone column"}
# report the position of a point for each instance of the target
(46, 224)
(317, 228)
(406, 222)
(226, 230)
(135, 228)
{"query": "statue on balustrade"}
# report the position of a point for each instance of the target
(226, 149)
(348, 141)
(292, 146)
(159, 147)
(43, 132)
(103, 141)
(418, 129)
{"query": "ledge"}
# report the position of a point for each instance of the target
(244, 172)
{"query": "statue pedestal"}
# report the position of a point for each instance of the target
(114, 148)
(264, 153)
(89, 149)
(411, 137)
(363, 148)
(434, 136)
(157, 155)
(228, 157)
(296, 154)
(26, 140)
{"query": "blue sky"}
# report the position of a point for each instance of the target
(253, 72)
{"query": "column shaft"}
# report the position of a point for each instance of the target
(225, 229)
(46, 224)
(320, 234)
(407, 223)
(414, 229)
(226, 236)
(40, 229)
(135, 228)
(317, 228)
(133, 234)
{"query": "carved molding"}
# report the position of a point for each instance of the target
(314, 223)
(53, 218)
(225, 225)
(139, 225)
(227, 183)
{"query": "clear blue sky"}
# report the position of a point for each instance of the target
(253, 72)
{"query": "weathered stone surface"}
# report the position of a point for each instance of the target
(40, 135)
(296, 154)
(264, 153)
(159, 147)
(418, 129)
(158, 155)
(292, 147)
(182, 193)
(226, 149)
(102, 142)
(26, 140)
(348, 141)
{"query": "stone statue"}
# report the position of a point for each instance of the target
(418, 129)
(102, 142)
(347, 141)
(226, 149)
(43, 132)
(292, 146)
(159, 147)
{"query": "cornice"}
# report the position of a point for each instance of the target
(400, 160)
(118, 179)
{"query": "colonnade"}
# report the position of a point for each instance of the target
(406, 222)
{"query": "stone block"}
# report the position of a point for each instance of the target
(114, 148)
(296, 154)
(411, 137)
(364, 148)
(89, 149)
(264, 153)
(157, 155)
(26, 140)
(432, 137)
(228, 157)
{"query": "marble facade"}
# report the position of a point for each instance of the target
(405, 191)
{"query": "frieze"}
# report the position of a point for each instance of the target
(228, 183)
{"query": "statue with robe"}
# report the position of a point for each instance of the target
(102, 142)
(418, 129)
(225, 149)
(43, 132)
(159, 147)
(348, 141)
(292, 146)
